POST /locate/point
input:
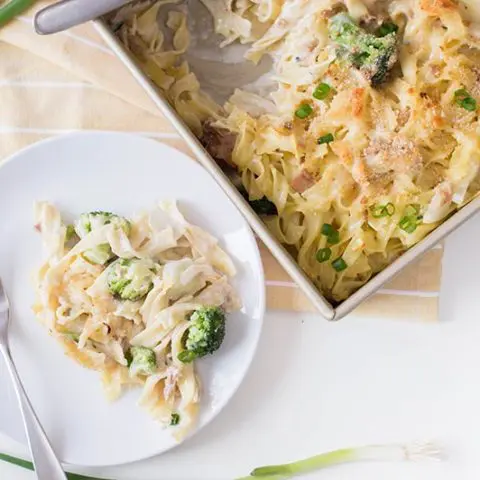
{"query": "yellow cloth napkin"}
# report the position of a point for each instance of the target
(73, 81)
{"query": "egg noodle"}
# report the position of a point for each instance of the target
(179, 268)
(359, 166)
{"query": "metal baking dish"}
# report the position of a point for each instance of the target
(325, 308)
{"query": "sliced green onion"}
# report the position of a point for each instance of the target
(393, 452)
(390, 209)
(408, 224)
(469, 104)
(461, 93)
(327, 229)
(325, 139)
(303, 111)
(323, 255)
(380, 211)
(333, 236)
(465, 100)
(339, 264)
(322, 91)
(174, 419)
(387, 28)
(411, 218)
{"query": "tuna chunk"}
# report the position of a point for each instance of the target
(303, 181)
(219, 142)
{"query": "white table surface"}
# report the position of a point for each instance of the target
(315, 386)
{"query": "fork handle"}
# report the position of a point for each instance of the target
(47, 466)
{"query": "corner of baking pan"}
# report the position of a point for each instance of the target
(434, 237)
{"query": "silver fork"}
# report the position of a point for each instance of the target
(47, 466)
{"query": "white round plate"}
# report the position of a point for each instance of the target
(123, 174)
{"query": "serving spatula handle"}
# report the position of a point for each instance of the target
(69, 13)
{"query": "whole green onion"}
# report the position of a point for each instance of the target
(322, 91)
(29, 466)
(394, 452)
(303, 111)
(12, 9)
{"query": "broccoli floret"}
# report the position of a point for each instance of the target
(71, 237)
(99, 255)
(174, 419)
(205, 334)
(141, 361)
(130, 279)
(92, 221)
(262, 206)
(69, 233)
(373, 56)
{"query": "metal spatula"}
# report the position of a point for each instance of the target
(220, 70)
(69, 13)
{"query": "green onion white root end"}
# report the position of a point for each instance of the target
(394, 452)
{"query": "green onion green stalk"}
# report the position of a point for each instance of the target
(12, 9)
(393, 452)
(29, 466)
